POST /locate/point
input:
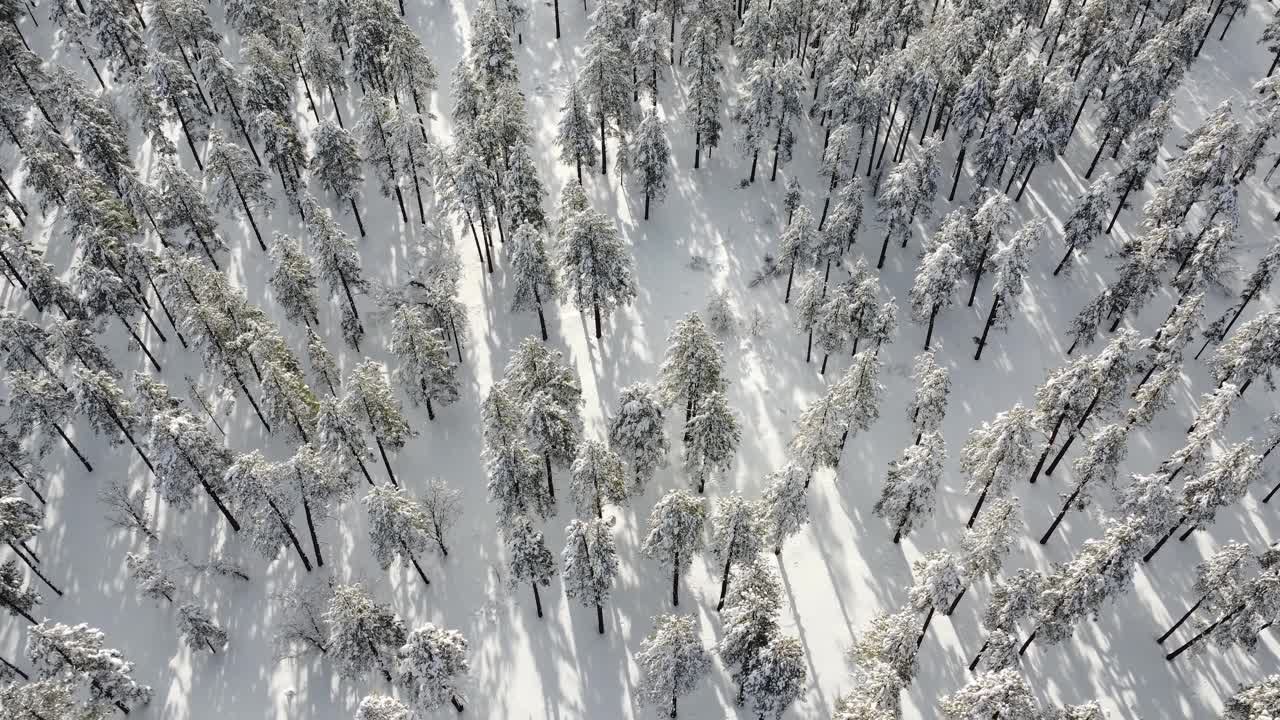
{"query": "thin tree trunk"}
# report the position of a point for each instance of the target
(537, 599)
(1152, 552)
(675, 580)
(1185, 616)
(724, 580)
(1101, 147)
(928, 618)
(600, 618)
(956, 602)
(416, 566)
(933, 314)
(385, 462)
(977, 507)
(72, 446)
(20, 673)
(978, 657)
(35, 570)
(1200, 636)
(1061, 513)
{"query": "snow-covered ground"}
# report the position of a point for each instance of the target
(838, 573)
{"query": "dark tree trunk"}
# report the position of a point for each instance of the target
(36, 570)
(1185, 616)
(72, 446)
(422, 575)
(1057, 520)
(977, 274)
(1101, 147)
(556, 4)
(933, 314)
(928, 618)
(600, 618)
(1200, 636)
(977, 507)
(537, 599)
(675, 581)
(385, 462)
(551, 487)
(978, 657)
(1152, 552)
(956, 602)
(724, 582)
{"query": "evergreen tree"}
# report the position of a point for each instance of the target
(596, 477)
(649, 158)
(515, 476)
(929, 402)
(528, 558)
(939, 581)
(1012, 261)
(293, 280)
(1084, 224)
(590, 564)
(1256, 700)
(424, 370)
(302, 625)
(808, 307)
(984, 546)
(908, 195)
(430, 666)
(1223, 482)
(363, 633)
(604, 77)
(238, 181)
(535, 277)
(776, 677)
(552, 398)
(1140, 155)
(595, 265)
(77, 655)
(151, 580)
(798, 245)
(40, 403)
(182, 207)
(573, 133)
(1003, 694)
(702, 54)
(711, 439)
(935, 285)
(382, 707)
(784, 505)
(907, 497)
(368, 397)
(754, 110)
(693, 366)
(19, 522)
(375, 128)
(339, 265)
(637, 432)
(1218, 578)
(750, 618)
(997, 454)
(267, 503)
(18, 601)
(337, 164)
(788, 83)
(675, 534)
(339, 437)
(100, 400)
(735, 535)
(649, 52)
(198, 630)
(398, 527)
(977, 241)
(834, 323)
(672, 661)
(890, 639)
(1105, 450)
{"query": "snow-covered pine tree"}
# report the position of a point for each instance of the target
(1211, 417)
(834, 323)
(17, 601)
(675, 534)
(907, 497)
(368, 396)
(997, 454)
(890, 639)
(534, 276)
(776, 677)
(823, 427)
(929, 401)
(398, 527)
(596, 477)
(784, 504)
(977, 239)
(100, 400)
(939, 581)
(908, 194)
(1105, 450)
(198, 630)
(152, 581)
(750, 618)
(650, 51)
(693, 366)
(293, 280)
(1003, 694)
(1103, 379)
(363, 634)
(574, 132)
(595, 265)
(1101, 568)
(1249, 353)
(735, 535)
(301, 626)
(376, 119)
(238, 181)
(515, 482)
(424, 371)
(672, 661)
(604, 77)
(702, 55)
(935, 285)
(637, 432)
(711, 439)
(1140, 155)
(267, 501)
(382, 707)
(339, 264)
(19, 522)
(528, 559)
(1011, 260)
(985, 545)
(77, 655)
(522, 189)
(648, 156)
(1084, 224)
(754, 110)
(1255, 700)
(1218, 578)
(182, 207)
(808, 307)
(1224, 481)
(788, 85)
(431, 665)
(337, 164)
(798, 245)
(590, 564)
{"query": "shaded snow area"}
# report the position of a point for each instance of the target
(702, 250)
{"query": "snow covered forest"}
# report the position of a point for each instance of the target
(851, 359)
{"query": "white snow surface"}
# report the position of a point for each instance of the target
(838, 572)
